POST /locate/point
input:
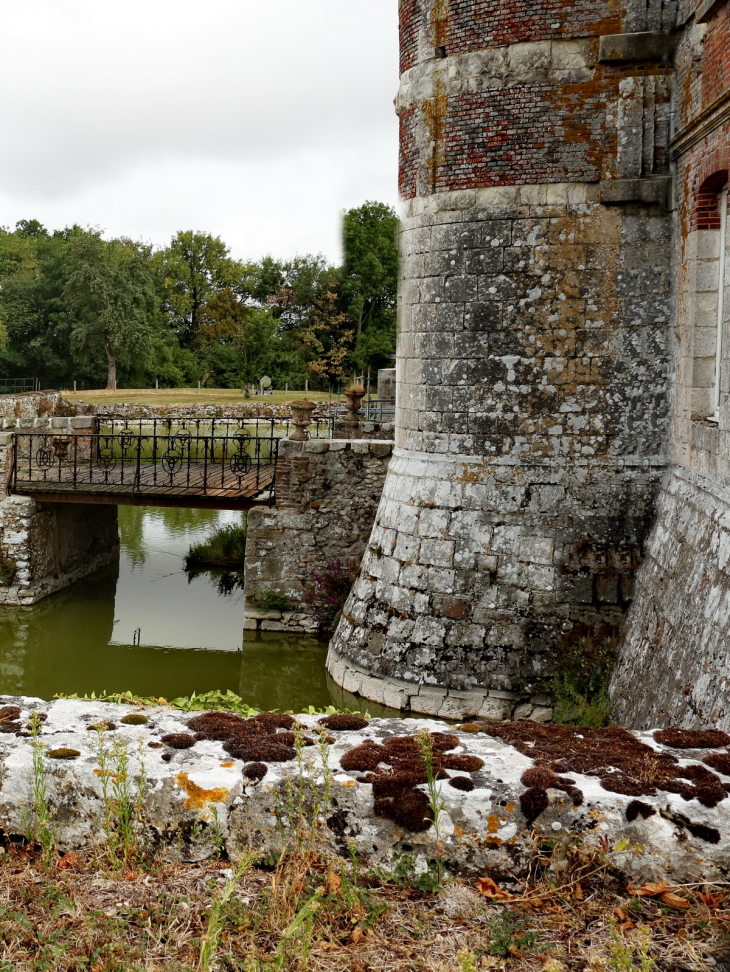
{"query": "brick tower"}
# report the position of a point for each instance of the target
(532, 360)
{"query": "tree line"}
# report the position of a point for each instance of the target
(77, 307)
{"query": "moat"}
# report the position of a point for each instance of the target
(142, 625)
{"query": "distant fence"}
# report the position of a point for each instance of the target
(18, 386)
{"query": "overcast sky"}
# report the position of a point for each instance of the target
(257, 120)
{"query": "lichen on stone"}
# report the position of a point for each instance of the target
(135, 719)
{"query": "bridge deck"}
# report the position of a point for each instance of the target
(214, 488)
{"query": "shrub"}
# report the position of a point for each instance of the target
(272, 601)
(327, 595)
(223, 548)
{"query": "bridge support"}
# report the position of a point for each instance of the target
(45, 547)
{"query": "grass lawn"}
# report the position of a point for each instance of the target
(186, 396)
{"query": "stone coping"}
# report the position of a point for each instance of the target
(194, 797)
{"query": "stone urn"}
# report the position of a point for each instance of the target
(301, 418)
(354, 396)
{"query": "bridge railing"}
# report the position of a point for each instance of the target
(133, 462)
(218, 428)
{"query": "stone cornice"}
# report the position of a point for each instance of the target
(706, 122)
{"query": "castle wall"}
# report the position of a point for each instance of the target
(675, 663)
(533, 359)
(327, 492)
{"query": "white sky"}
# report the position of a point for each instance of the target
(256, 120)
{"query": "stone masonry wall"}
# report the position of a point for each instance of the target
(327, 492)
(49, 546)
(674, 661)
(533, 365)
(52, 545)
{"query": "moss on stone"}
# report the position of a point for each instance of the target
(135, 719)
(63, 753)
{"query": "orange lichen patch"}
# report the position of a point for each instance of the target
(227, 765)
(197, 797)
(493, 824)
(510, 807)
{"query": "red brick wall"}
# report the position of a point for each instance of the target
(716, 58)
(475, 24)
(410, 23)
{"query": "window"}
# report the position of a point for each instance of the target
(721, 300)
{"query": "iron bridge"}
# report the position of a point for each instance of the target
(141, 466)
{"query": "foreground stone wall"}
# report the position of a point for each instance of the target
(327, 493)
(197, 796)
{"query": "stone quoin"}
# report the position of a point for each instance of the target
(562, 172)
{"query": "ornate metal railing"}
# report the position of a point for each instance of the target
(127, 461)
(217, 428)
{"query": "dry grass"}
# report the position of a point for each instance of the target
(186, 396)
(318, 914)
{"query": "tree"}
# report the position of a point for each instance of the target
(370, 271)
(110, 291)
(326, 340)
(192, 269)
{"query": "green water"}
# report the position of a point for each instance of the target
(141, 625)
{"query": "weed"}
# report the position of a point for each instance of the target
(41, 829)
(120, 809)
(424, 741)
(508, 932)
(209, 944)
(580, 685)
(631, 956)
(467, 961)
(272, 601)
(405, 874)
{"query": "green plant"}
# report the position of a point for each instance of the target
(7, 570)
(631, 956)
(436, 801)
(404, 873)
(272, 601)
(580, 684)
(120, 809)
(41, 828)
(209, 944)
(467, 960)
(223, 548)
(507, 932)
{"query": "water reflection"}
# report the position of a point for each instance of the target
(140, 625)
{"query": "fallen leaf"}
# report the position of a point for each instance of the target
(68, 861)
(627, 925)
(709, 899)
(649, 890)
(674, 900)
(490, 889)
(620, 914)
(579, 892)
(355, 935)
